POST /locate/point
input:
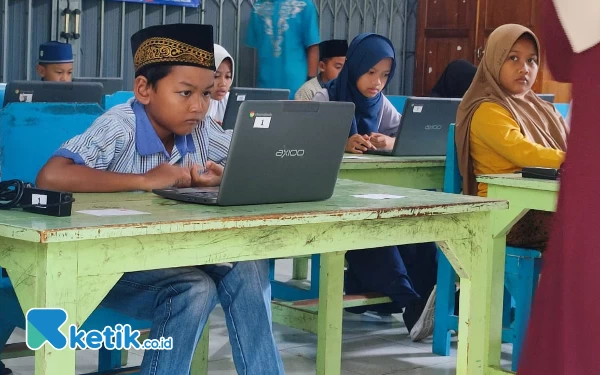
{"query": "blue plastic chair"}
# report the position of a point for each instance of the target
(2, 91)
(521, 274)
(117, 98)
(397, 101)
(44, 127)
(562, 108)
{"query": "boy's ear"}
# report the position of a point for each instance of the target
(322, 66)
(141, 90)
(41, 70)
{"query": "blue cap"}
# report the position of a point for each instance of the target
(55, 53)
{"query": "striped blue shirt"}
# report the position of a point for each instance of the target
(123, 140)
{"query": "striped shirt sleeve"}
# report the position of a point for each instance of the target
(100, 145)
(218, 142)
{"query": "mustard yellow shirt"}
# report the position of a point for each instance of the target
(498, 146)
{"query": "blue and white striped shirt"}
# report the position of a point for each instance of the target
(123, 140)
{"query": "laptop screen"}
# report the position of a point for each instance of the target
(424, 126)
(52, 92)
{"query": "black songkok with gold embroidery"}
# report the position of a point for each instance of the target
(176, 44)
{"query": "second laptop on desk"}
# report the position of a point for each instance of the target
(280, 152)
(238, 95)
(423, 128)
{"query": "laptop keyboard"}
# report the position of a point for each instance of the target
(204, 194)
(200, 192)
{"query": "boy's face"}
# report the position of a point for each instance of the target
(331, 69)
(178, 102)
(56, 72)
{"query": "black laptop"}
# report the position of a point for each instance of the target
(109, 85)
(52, 92)
(423, 128)
(238, 95)
(274, 156)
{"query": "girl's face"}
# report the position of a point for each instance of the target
(520, 69)
(223, 80)
(372, 82)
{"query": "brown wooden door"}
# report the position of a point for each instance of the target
(446, 32)
(494, 13)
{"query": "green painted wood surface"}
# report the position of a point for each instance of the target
(523, 194)
(71, 263)
(515, 180)
(294, 317)
(167, 216)
(391, 162)
(411, 172)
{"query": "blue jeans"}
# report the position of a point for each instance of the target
(245, 295)
(178, 302)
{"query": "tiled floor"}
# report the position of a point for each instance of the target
(371, 346)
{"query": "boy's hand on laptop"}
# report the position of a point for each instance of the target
(167, 175)
(210, 175)
(357, 144)
(381, 141)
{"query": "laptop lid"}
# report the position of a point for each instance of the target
(285, 151)
(424, 126)
(238, 95)
(110, 85)
(52, 92)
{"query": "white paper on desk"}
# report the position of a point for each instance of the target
(355, 157)
(113, 212)
(378, 196)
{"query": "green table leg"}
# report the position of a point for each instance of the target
(56, 286)
(481, 284)
(331, 289)
(300, 268)
(200, 360)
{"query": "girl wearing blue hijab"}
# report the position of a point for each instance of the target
(370, 65)
(408, 273)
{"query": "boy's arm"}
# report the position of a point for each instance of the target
(63, 174)
(311, 38)
(81, 165)
(312, 55)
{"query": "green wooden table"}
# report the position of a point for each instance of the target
(418, 172)
(523, 195)
(72, 262)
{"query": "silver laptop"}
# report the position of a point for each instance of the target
(423, 128)
(238, 95)
(280, 152)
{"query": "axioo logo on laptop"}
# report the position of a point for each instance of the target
(43, 325)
